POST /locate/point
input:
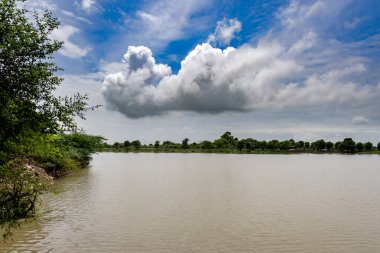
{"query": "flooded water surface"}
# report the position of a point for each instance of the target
(211, 203)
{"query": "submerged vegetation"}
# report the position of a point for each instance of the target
(38, 137)
(230, 144)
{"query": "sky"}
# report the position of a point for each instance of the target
(175, 69)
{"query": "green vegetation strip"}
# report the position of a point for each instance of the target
(230, 144)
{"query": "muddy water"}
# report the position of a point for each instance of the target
(211, 203)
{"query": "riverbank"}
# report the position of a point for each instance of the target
(229, 151)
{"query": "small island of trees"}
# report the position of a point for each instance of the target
(227, 143)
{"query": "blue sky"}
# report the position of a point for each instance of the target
(190, 68)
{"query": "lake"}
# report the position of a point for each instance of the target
(146, 202)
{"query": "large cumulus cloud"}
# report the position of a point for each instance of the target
(212, 80)
(276, 73)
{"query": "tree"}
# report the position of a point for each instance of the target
(292, 144)
(337, 146)
(206, 145)
(28, 105)
(300, 144)
(359, 147)
(263, 145)
(127, 144)
(136, 144)
(273, 145)
(347, 146)
(319, 145)
(368, 146)
(185, 143)
(116, 145)
(378, 146)
(157, 144)
(329, 145)
(284, 145)
(27, 76)
(226, 141)
(242, 144)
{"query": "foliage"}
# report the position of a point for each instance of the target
(347, 146)
(185, 143)
(227, 143)
(79, 147)
(368, 146)
(136, 144)
(33, 120)
(319, 145)
(329, 146)
(20, 184)
(359, 147)
(127, 144)
(33, 158)
(27, 76)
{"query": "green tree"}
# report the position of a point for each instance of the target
(359, 147)
(368, 146)
(347, 146)
(27, 103)
(206, 145)
(226, 141)
(251, 144)
(185, 143)
(117, 145)
(284, 145)
(157, 144)
(337, 146)
(27, 76)
(242, 144)
(300, 144)
(136, 144)
(319, 145)
(263, 145)
(329, 145)
(127, 144)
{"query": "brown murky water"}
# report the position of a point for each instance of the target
(212, 203)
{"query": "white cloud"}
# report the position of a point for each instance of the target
(163, 21)
(88, 5)
(297, 15)
(64, 33)
(225, 31)
(359, 120)
(140, 72)
(212, 80)
(306, 42)
(39, 5)
(293, 71)
(74, 16)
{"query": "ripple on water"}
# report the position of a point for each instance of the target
(211, 203)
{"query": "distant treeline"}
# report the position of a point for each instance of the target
(230, 144)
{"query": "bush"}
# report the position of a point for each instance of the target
(20, 184)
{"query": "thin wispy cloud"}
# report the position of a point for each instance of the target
(360, 120)
(71, 15)
(225, 31)
(69, 49)
(88, 5)
(158, 23)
